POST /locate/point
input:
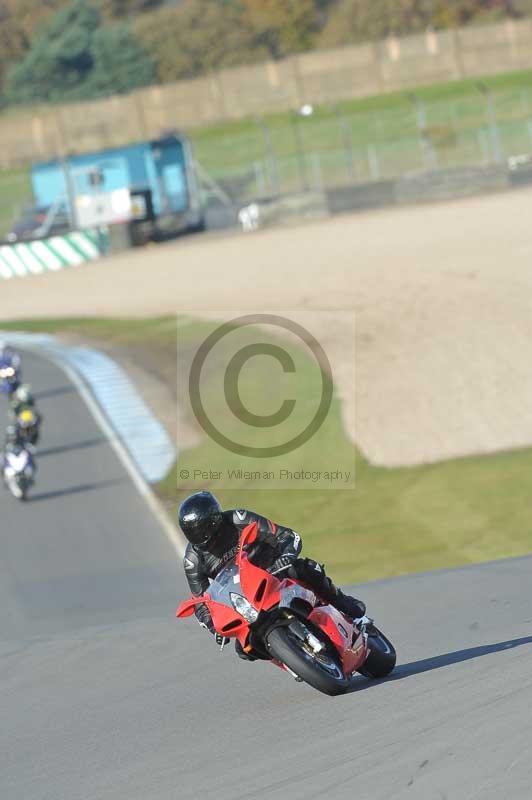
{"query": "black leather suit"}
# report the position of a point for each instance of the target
(202, 564)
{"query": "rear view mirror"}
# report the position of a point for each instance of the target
(186, 609)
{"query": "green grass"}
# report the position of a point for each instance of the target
(395, 521)
(370, 137)
(353, 140)
(160, 331)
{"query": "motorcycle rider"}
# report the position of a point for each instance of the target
(13, 437)
(22, 396)
(17, 437)
(28, 421)
(9, 355)
(14, 446)
(214, 537)
(9, 369)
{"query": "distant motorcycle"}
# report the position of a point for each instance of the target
(28, 424)
(20, 398)
(9, 378)
(283, 621)
(10, 369)
(18, 471)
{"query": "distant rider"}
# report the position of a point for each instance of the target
(9, 355)
(10, 372)
(214, 537)
(14, 444)
(13, 437)
(17, 461)
(28, 421)
(22, 396)
(16, 448)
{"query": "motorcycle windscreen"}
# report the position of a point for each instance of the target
(18, 462)
(227, 581)
(224, 615)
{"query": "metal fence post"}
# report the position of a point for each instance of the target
(483, 145)
(317, 171)
(300, 153)
(270, 159)
(525, 105)
(529, 128)
(295, 118)
(347, 136)
(373, 162)
(260, 182)
(427, 149)
(491, 119)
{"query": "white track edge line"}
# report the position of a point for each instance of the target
(172, 534)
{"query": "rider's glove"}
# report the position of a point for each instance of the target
(261, 550)
(218, 638)
(281, 564)
(209, 628)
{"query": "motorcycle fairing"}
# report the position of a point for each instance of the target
(258, 586)
(186, 608)
(291, 591)
(17, 462)
(225, 619)
(341, 633)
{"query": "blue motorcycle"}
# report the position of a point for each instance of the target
(9, 376)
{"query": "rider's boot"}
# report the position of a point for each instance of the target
(348, 605)
(314, 575)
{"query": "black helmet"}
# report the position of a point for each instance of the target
(200, 516)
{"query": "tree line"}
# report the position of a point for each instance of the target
(56, 50)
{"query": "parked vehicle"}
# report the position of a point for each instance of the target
(284, 622)
(38, 222)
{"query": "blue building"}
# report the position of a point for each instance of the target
(151, 187)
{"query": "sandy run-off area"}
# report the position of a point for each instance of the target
(442, 298)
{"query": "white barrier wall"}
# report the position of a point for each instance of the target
(50, 255)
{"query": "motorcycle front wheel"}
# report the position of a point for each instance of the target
(382, 656)
(320, 670)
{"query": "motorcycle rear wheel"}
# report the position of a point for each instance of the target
(322, 672)
(382, 655)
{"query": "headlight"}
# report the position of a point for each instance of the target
(244, 608)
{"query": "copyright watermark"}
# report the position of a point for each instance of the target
(263, 392)
(314, 476)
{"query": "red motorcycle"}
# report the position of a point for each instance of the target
(282, 621)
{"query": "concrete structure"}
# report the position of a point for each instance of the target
(320, 76)
(50, 255)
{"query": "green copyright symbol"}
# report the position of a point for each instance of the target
(231, 391)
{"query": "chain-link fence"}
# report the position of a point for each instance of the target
(329, 146)
(333, 146)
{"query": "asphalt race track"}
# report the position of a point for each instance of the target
(105, 696)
